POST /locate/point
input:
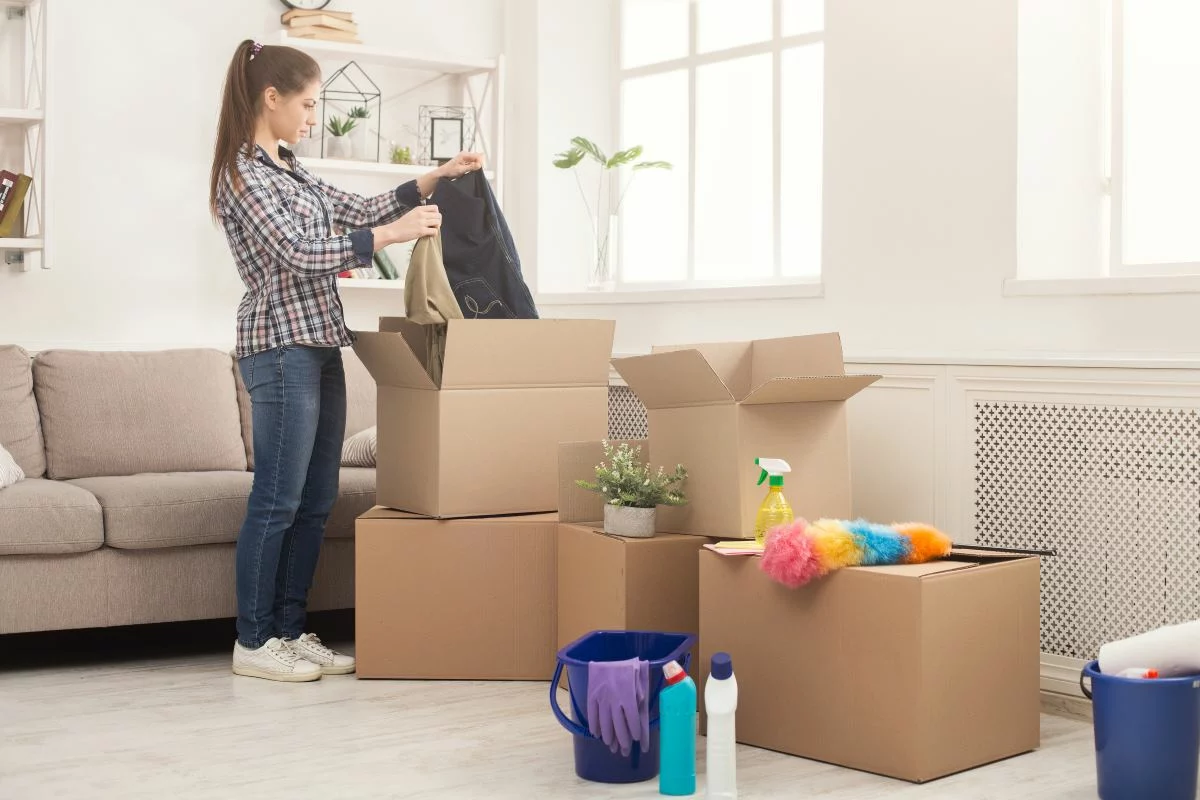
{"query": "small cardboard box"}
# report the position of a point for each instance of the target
(914, 672)
(485, 440)
(716, 407)
(471, 599)
(612, 583)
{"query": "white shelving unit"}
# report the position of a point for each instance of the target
(490, 97)
(31, 249)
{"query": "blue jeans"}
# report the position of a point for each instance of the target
(298, 397)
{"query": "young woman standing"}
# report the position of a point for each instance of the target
(290, 234)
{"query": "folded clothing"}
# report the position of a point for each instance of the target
(1173, 650)
(618, 703)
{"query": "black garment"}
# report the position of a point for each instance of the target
(478, 250)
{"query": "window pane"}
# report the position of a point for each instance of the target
(803, 114)
(803, 16)
(731, 23)
(653, 31)
(652, 234)
(1162, 129)
(734, 184)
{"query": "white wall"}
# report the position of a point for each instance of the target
(920, 165)
(920, 207)
(136, 259)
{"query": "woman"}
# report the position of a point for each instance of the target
(280, 222)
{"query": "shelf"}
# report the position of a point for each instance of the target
(347, 167)
(21, 244)
(370, 283)
(365, 54)
(20, 116)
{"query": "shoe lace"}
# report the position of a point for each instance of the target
(314, 641)
(285, 654)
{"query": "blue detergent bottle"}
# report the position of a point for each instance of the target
(677, 736)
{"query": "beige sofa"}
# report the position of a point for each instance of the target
(138, 468)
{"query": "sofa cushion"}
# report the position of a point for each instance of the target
(111, 413)
(171, 509)
(189, 508)
(20, 431)
(40, 517)
(360, 401)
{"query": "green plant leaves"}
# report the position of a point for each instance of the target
(569, 158)
(590, 148)
(338, 126)
(652, 165)
(624, 156)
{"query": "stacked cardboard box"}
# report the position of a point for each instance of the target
(457, 569)
(910, 671)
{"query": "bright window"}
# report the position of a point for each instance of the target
(731, 92)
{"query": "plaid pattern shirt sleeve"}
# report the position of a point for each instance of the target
(355, 211)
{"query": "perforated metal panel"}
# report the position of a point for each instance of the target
(626, 414)
(1114, 490)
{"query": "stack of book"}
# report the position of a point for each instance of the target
(13, 188)
(331, 26)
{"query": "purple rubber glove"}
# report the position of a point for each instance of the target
(617, 703)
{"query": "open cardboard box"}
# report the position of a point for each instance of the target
(484, 441)
(716, 407)
(914, 671)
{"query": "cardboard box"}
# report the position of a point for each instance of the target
(611, 583)
(773, 398)
(471, 599)
(915, 672)
(485, 440)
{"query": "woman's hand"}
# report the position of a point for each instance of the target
(460, 165)
(421, 221)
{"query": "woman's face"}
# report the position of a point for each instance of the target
(291, 116)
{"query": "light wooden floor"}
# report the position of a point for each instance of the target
(183, 727)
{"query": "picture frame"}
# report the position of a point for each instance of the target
(445, 138)
(444, 131)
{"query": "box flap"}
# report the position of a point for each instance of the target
(390, 360)
(809, 390)
(797, 356)
(523, 353)
(673, 379)
(730, 360)
(918, 570)
(379, 512)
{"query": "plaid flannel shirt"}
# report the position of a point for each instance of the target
(281, 232)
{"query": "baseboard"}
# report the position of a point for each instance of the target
(1061, 694)
(1061, 705)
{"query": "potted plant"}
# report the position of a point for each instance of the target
(633, 490)
(339, 145)
(401, 155)
(604, 223)
(359, 115)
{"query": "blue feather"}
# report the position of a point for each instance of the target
(881, 544)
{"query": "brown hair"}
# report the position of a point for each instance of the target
(254, 68)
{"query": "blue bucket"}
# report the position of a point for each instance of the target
(1147, 735)
(593, 760)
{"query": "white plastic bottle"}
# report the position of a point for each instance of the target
(720, 706)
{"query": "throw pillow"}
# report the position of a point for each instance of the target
(11, 472)
(359, 449)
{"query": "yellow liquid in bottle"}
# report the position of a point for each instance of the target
(774, 511)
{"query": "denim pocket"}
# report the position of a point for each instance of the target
(480, 301)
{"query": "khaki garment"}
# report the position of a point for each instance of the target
(429, 300)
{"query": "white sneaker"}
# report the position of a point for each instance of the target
(274, 661)
(331, 662)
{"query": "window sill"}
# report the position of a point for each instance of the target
(1125, 285)
(694, 294)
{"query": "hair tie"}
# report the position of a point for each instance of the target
(255, 49)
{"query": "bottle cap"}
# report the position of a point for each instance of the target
(1151, 673)
(673, 673)
(722, 666)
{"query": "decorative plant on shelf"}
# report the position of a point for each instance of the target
(602, 224)
(401, 155)
(633, 490)
(359, 112)
(359, 115)
(338, 127)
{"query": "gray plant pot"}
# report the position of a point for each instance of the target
(635, 523)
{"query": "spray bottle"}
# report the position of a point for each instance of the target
(774, 510)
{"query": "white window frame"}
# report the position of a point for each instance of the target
(691, 62)
(1114, 183)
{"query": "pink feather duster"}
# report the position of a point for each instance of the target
(789, 556)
